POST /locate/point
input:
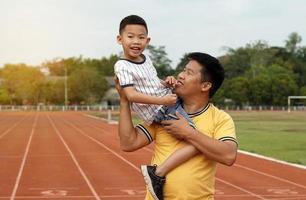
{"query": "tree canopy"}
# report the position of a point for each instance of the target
(256, 74)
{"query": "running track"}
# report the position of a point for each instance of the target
(67, 155)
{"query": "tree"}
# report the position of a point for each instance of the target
(85, 85)
(22, 83)
(291, 44)
(181, 65)
(160, 61)
(283, 84)
(260, 90)
(4, 97)
(236, 89)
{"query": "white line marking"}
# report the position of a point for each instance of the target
(77, 197)
(74, 160)
(240, 188)
(12, 127)
(269, 175)
(102, 145)
(23, 160)
(272, 159)
(132, 165)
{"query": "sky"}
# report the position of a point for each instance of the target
(34, 31)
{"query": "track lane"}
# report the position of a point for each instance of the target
(96, 147)
(110, 174)
(13, 143)
(49, 171)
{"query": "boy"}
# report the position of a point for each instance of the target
(151, 98)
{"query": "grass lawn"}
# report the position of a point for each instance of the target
(276, 134)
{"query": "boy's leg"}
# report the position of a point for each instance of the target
(176, 159)
(155, 175)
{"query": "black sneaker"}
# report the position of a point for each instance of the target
(155, 183)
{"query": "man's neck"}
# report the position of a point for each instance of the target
(192, 105)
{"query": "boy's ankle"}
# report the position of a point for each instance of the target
(158, 172)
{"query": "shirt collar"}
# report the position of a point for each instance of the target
(200, 111)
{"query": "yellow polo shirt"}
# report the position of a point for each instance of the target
(194, 179)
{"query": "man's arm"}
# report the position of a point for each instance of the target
(130, 137)
(221, 151)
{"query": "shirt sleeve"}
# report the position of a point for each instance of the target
(148, 131)
(225, 129)
(123, 74)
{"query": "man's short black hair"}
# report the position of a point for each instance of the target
(132, 19)
(212, 71)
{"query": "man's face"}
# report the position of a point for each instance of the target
(189, 80)
(134, 40)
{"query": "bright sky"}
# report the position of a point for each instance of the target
(33, 31)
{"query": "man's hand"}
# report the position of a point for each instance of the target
(169, 99)
(119, 89)
(178, 128)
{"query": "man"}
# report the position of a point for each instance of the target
(214, 138)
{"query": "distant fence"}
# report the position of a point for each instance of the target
(58, 108)
(264, 108)
(114, 108)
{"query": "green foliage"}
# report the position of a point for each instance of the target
(4, 97)
(303, 91)
(258, 74)
(181, 65)
(237, 89)
(23, 84)
(86, 86)
(160, 61)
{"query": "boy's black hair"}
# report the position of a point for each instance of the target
(132, 19)
(212, 71)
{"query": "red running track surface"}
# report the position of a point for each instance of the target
(67, 155)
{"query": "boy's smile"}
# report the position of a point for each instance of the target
(134, 40)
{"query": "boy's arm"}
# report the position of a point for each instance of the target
(138, 97)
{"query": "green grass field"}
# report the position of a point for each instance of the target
(276, 134)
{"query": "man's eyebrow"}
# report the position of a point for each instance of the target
(188, 69)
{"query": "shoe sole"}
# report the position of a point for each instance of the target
(147, 179)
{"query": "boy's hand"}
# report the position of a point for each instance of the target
(170, 81)
(169, 99)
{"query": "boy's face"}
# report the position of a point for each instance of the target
(134, 39)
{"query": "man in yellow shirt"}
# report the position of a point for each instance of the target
(214, 138)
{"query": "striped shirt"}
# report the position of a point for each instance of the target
(143, 77)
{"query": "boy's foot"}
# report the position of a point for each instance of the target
(155, 183)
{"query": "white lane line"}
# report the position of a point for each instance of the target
(269, 175)
(125, 196)
(272, 159)
(92, 189)
(102, 145)
(240, 188)
(13, 195)
(12, 127)
(132, 165)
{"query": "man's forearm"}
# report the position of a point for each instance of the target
(222, 152)
(126, 127)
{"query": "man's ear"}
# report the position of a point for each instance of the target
(206, 86)
(119, 39)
